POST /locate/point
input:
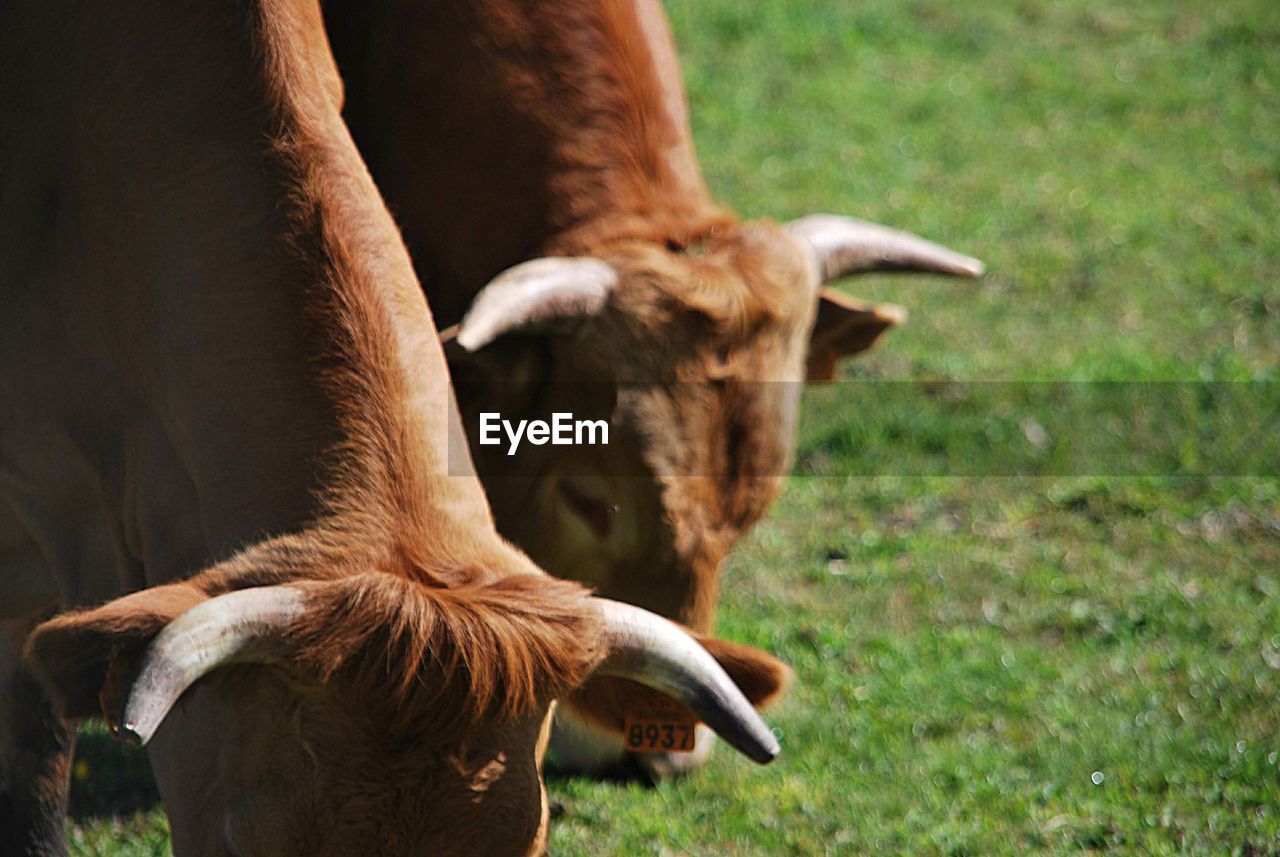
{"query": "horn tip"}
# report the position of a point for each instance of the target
(971, 268)
(892, 313)
(134, 735)
(469, 339)
(766, 749)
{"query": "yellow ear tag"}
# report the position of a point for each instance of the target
(660, 728)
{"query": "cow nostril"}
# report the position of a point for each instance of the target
(597, 513)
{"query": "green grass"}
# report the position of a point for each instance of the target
(991, 665)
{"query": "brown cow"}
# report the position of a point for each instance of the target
(503, 130)
(216, 356)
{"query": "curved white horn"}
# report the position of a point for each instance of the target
(238, 627)
(657, 653)
(843, 245)
(534, 291)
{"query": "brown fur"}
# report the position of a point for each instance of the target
(560, 129)
(562, 109)
(500, 130)
(443, 660)
(452, 661)
(217, 357)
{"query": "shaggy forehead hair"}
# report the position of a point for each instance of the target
(451, 660)
(740, 281)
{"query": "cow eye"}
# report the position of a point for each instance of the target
(594, 512)
(674, 246)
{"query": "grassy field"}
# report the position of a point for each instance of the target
(992, 663)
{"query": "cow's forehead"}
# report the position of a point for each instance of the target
(743, 280)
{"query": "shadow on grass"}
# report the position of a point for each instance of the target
(625, 773)
(109, 779)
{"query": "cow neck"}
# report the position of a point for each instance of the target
(231, 286)
(501, 130)
(368, 344)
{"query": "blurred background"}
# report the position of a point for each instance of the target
(1074, 644)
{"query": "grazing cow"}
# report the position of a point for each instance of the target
(225, 419)
(504, 130)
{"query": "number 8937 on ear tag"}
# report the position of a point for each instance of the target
(660, 728)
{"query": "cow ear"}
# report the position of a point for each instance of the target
(844, 327)
(507, 376)
(74, 652)
(760, 676)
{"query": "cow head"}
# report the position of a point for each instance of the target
(694, 349)
(370, 714)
